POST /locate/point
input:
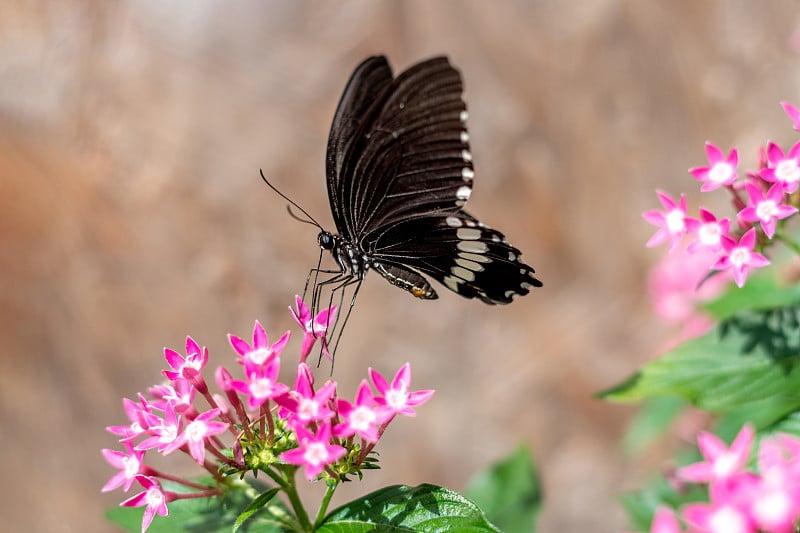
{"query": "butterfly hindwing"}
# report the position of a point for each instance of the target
(461, 253)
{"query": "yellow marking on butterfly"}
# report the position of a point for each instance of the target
(419, 293)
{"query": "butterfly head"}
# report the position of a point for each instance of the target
(326, 240)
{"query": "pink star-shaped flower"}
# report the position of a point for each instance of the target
(775, 500)
(671, 221)
(262, 382)
(129, 463)
(783, 169)
(313, 328)
(740, 257)
(766, 209)
(722, 463)
(397, 396)
(154, 498)
(260, 351)
(793, 113)
(195, 434)
(315, 452)
(302, 403)
(196, 358)
(364, 417)
(720, 171)
(708, 230)
(665, 521)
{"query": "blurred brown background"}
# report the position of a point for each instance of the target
(131, 214)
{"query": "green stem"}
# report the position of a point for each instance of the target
(323, 508)
(795, 247)
(291, 492)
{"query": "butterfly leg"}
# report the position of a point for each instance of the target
(343, 287)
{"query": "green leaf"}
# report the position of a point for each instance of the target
(206, 515)
(651, 421)
(399, 508)
(509, 492)
(761, 292)
(255, 506)
(752, 358)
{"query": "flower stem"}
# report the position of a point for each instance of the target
(294, 498)
(323, 508)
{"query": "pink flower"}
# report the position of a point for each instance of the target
(196, 358)
(720, 171)
(196, 433)
(364, 417)
(766, 209)
(783, 169)
(313, 329)
(154, 497)
(740, 257)
(718, 518)
(129, 463)
(671, 221)
(793, 113)
(664, 521)
(260, 351)
(398, 396)
(302, 404)
(262, 382)
(709, 231)
(722, 463)
(163, 434)
(775, 501)
(140, 416)
(315, 452)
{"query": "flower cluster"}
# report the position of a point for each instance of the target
(273, 428)
(763, 199)
(740, 500)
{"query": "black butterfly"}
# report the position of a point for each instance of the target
(399, 172)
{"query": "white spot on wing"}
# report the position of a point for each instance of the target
(464, 137)
(453, 222)
(467, 174)
(466, 156)
(463, 273)
(474, 257)
(468, 234)
(476, 247)
(471, 265)
(463, 193)
(463, 116)
(451, 283)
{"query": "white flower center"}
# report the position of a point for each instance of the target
(362, 418)
(675, 221)
(196, 431)
(767, 210)
(729, 520)
(709, 234)
(308, 409)
(316, 453)
(261, 388)
(774, 505)
(720, 172)
(787, 171)
(259, 355)
(397, 398)
(131, 466)
(740, 256)
(154, 497)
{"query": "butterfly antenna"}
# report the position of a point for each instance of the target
(292, 202)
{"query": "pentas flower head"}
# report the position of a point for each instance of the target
(163, 434)
(671, 221)
(766, 209)
(260, 351)
(783, 169)
(793, 113)
(397, 396)
(364, 417)
(775, 500)
(196, 358)
(154, 498)
(740, 257)
(721, 170)
(313, 327)
(195, 434)
(707, 230)
(314, 451)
